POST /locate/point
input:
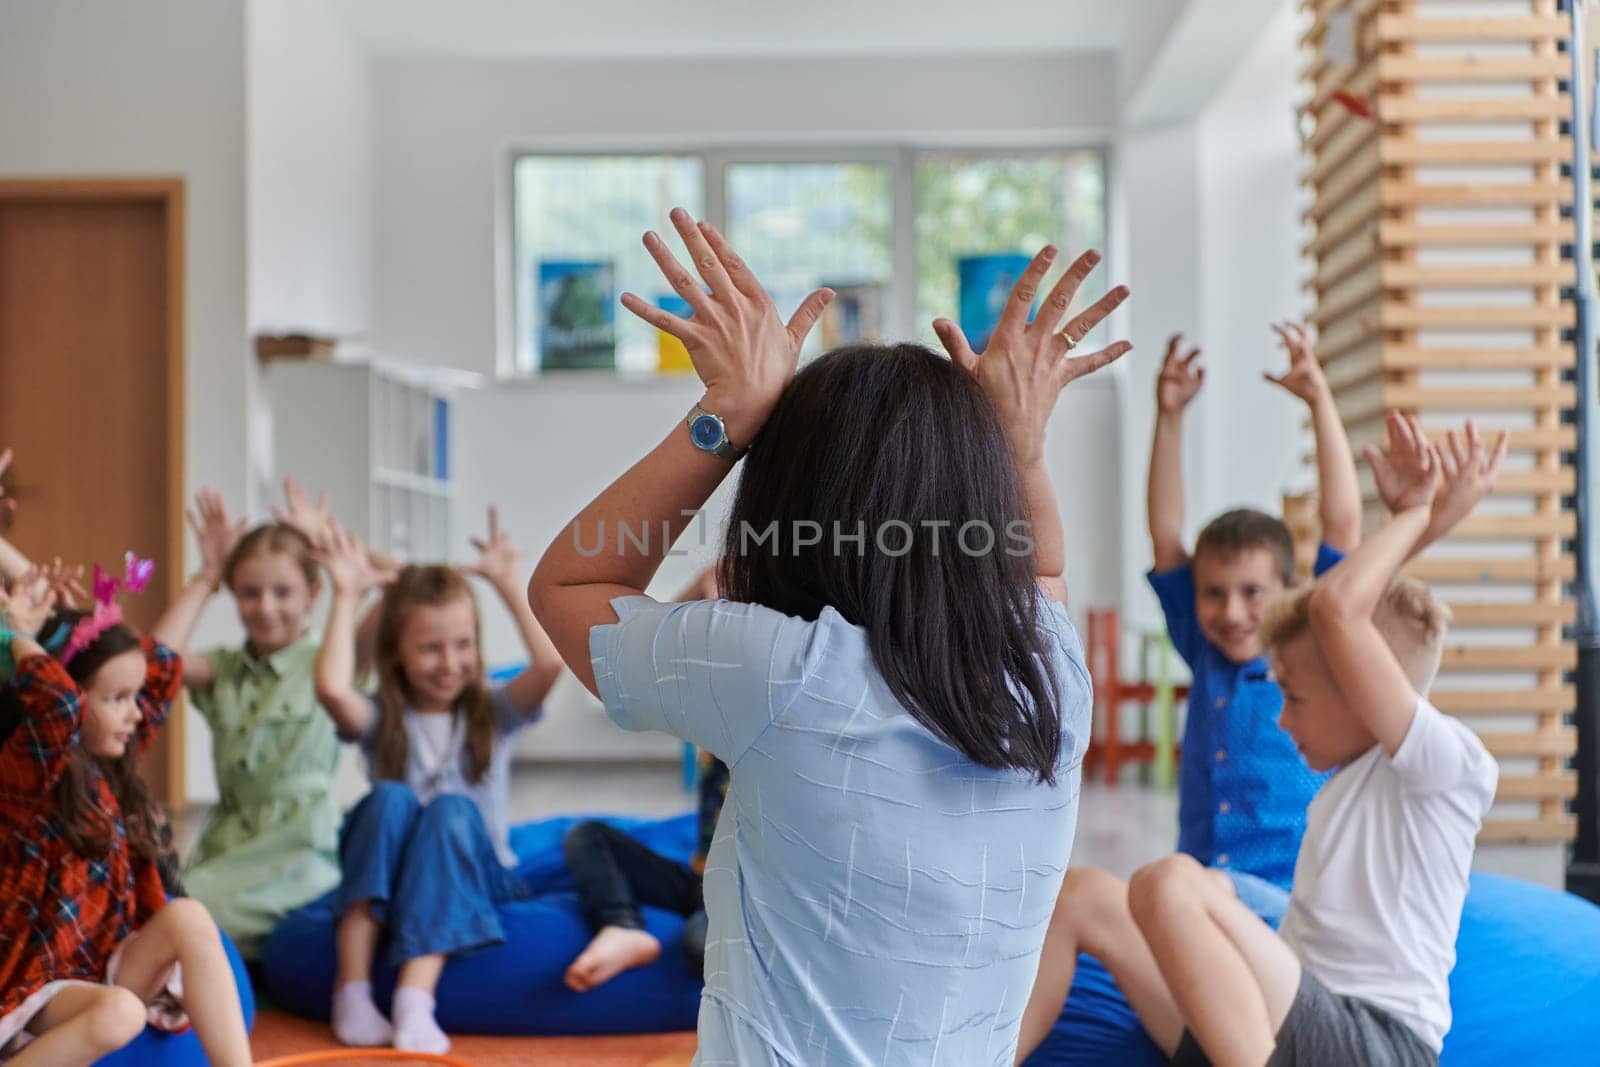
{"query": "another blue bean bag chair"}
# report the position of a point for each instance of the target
(1525, 989)
(156, 1049)
(516, 987)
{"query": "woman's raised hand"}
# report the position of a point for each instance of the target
(1027, 364)
(741, 348)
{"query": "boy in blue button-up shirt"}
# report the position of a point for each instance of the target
(1242, 787)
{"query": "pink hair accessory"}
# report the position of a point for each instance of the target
(106, 614)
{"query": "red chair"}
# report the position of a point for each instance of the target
(1107, 750)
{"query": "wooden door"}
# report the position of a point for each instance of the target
(91, 394)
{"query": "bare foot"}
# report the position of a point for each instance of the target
(614, 949)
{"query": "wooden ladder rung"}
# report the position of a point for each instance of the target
(1492, 613)
(1398, 395)
(1395, 151)
(1396, 274)
(1395, 29)
(1508, 658)
(1399, 192)
(1406, 109)
(1398, 316)
(1546, 699)
(1553, 828)
(1395, 234)
(1474, 570)
(1409, 357)
(1400, 67)
(1560, 785)
(1559, 742)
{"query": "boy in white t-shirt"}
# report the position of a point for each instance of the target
(1358, 971)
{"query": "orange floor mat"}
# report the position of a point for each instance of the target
(277, 1033)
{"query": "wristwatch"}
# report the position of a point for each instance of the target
(709, 435)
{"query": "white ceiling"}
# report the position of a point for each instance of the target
(512, 29)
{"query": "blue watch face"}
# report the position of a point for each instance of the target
(706, 431)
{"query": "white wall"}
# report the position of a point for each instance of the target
(1158, 214)
(309, 155)
(95, 89)
(1251, 274)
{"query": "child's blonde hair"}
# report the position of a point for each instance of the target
(1411, 619)
(419, 586)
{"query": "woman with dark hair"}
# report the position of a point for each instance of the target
(892, 679)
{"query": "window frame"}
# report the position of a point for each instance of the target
(716, 156)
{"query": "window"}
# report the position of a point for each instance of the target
(575, 216)
(888, 229)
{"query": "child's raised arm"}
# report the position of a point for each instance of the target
(1176, 385)
(1023, 369)
(1338, 491)
(500, 563)
(345, 559)
(1341, 610)
(216, 537)
(33, 757)
(312, 520)
(13, 564)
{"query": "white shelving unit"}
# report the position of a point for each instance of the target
(379, 436)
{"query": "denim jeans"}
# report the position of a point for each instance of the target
(429, 871)
(615, 875)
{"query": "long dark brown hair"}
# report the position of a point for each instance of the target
(86, 826)
(420, 586)
(890, 438)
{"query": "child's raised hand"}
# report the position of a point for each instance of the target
(344, 557)
(740, 347)
(1026, 364)
(29, 601)
(499, 560)
(298, 511)
(1179, 379)
(214, 534)
(1304, 378)
(67, 583)
(1407, 471)
(7, 505)
(1469, 474)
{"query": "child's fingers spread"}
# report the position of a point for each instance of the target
(1500, 447)
(1174, 346)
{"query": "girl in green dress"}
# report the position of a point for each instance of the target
(271, 843)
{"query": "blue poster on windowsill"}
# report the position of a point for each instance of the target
(986, 283)
(577, 315)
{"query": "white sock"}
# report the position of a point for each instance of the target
(414, 1027)
(356, 1019)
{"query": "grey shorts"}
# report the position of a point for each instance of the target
(1325, 1029)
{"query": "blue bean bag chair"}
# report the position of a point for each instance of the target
(1524, 990)
(156, 1049)
(516, 987)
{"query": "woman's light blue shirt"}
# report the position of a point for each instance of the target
(874, 896)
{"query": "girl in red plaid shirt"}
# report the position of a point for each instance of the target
(90, 948)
